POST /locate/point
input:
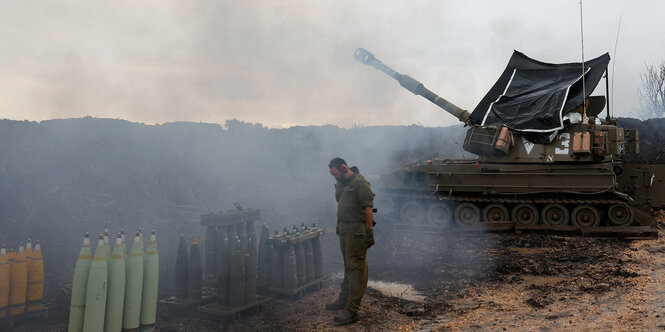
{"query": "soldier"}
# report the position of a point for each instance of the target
(354, 228)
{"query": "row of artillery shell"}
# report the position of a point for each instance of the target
(236, 269)
(21, 280)
(240, 222)
(291, 259)
(114, 291)
(217, 238)
(188, 271)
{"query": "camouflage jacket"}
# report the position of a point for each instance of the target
(353, 195)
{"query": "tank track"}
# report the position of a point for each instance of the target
(504, 200)
(537, 212)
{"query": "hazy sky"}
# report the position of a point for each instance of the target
(285, 63)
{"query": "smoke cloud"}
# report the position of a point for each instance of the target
(290, 63)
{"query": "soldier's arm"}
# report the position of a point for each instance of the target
(366, 198)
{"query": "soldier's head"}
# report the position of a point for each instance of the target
(339, 169)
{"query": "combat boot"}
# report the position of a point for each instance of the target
(346, 317)
(337, 305)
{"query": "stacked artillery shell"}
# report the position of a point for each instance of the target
(289, 267)
(116, 288)
(18, 283)
(318, 257)
(11, 258)
(309, 260)
(224, 269)
(28, 263)
(235, 255)
(264, 256)
(79, 284)
(181, 270)
(124, 244)
(35, 279)
(95, 296)
(250, 270)
(211, 253)
(237, 275)
(301, 264)
(296, 258)
(277, 272)
(250, 263)
(107, 245)
(150, 285)
(133, 285)
(195, 272)
(5, 275)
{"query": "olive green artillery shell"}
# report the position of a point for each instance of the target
(195, 273)
(309, 260)
(300, 263)
(211, 252)
(237, 275)
(79, 287)
(223, 271)
(318, 257)
(250, 270)
(276, 268)
(133, 285)
(95, 296)
(150, 284)
(290, 276)
(116, 288)
(181, 270)
(264, 257)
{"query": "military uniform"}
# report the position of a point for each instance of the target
(353, 195)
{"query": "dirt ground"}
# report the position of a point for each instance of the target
(495, 282)
(536, 282)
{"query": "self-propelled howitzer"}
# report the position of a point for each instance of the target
(545, 156)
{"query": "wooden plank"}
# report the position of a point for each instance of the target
(300, 291)
(224, 311)
(287, 240)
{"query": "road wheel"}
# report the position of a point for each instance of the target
(412, 212)
(439, 214)
(467, 214)
(495, 212)
(525, 214)
(555, 214)
(620, 215)
(585, 216)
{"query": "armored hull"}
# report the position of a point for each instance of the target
(545, 158)
(458, 192)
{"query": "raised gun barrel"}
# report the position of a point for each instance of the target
(412, 85)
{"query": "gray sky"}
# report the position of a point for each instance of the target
(285, 63)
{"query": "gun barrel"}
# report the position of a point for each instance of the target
(412, 85)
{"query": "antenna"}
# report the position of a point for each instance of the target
(614, 56)
(585, 120)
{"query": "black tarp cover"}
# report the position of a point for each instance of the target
(533, 96)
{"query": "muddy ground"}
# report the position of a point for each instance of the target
(501, 281)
